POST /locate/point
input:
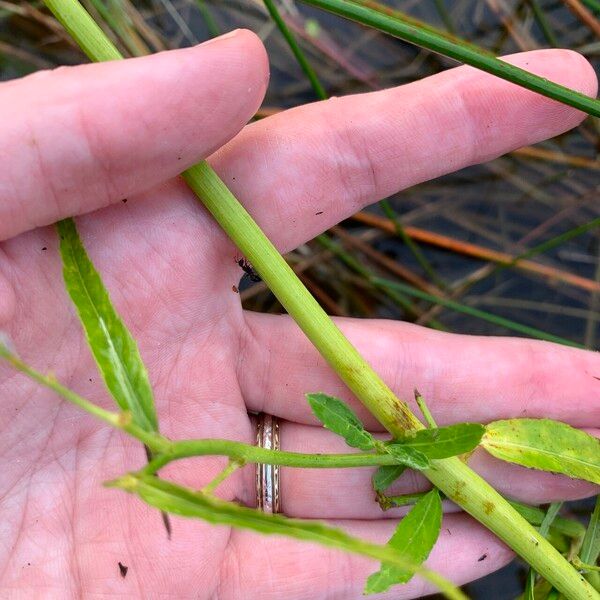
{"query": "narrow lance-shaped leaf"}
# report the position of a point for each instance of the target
(443, 442)
(188, 503)
(545, 445)
(413, 539)
(114, 349)
(338, 417)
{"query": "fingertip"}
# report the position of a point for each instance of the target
(565, 67)
(249, 47)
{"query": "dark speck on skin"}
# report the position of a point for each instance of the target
(319, 213)
(482, 557)
(234, 289)
(124, 201)
(123, 570)
(45, 248)
(598, 378)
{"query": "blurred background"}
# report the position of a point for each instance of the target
(510, 247)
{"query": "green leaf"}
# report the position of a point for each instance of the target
(545, 445)
(590, 548)
(114, 349)
(413, 539)
(188, 503)
(341, 419)
(408, 456)
(385, 476)
(443, 442)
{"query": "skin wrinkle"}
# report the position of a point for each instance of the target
(48, 186)
(20, 530)
(110, 192)
(350, 141)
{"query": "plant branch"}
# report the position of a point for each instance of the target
(452, 476)
(399, 25)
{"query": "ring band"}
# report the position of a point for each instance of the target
(267, 476)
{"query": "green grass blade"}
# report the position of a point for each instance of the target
(413, 31)
(390, 213)
(475, 312)
(590, 548)
(114, 349)
(593, 5)
(542, 20)
(310, 73)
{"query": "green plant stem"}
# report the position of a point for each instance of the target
(593, 5)
(400, 26)
(296, 50)
(169, 450)
(542, 20)
(452, 476)
(390, 213)
(353, 263)
(232, 466)
(245, 453)
(569, 527)
(211, 24)
(445, 15)
(547, 521)
(474, 312)
(424, 409)
(590, 548)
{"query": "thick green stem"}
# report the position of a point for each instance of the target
(452, 476)
(245, 453)
(400, 26)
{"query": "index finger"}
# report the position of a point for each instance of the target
(306, 169)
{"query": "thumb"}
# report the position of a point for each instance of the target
(79, 138)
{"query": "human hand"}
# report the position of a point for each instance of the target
(85, 139)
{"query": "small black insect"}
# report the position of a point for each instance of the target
(482, 557)
(248, 270)
(123, 569)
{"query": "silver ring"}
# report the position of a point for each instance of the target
(267, 476)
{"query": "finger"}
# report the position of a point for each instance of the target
(463, 378)
(273, 567)
(306, 169)
(348, 493)
(80, 138)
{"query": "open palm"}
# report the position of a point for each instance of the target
(111, 138)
